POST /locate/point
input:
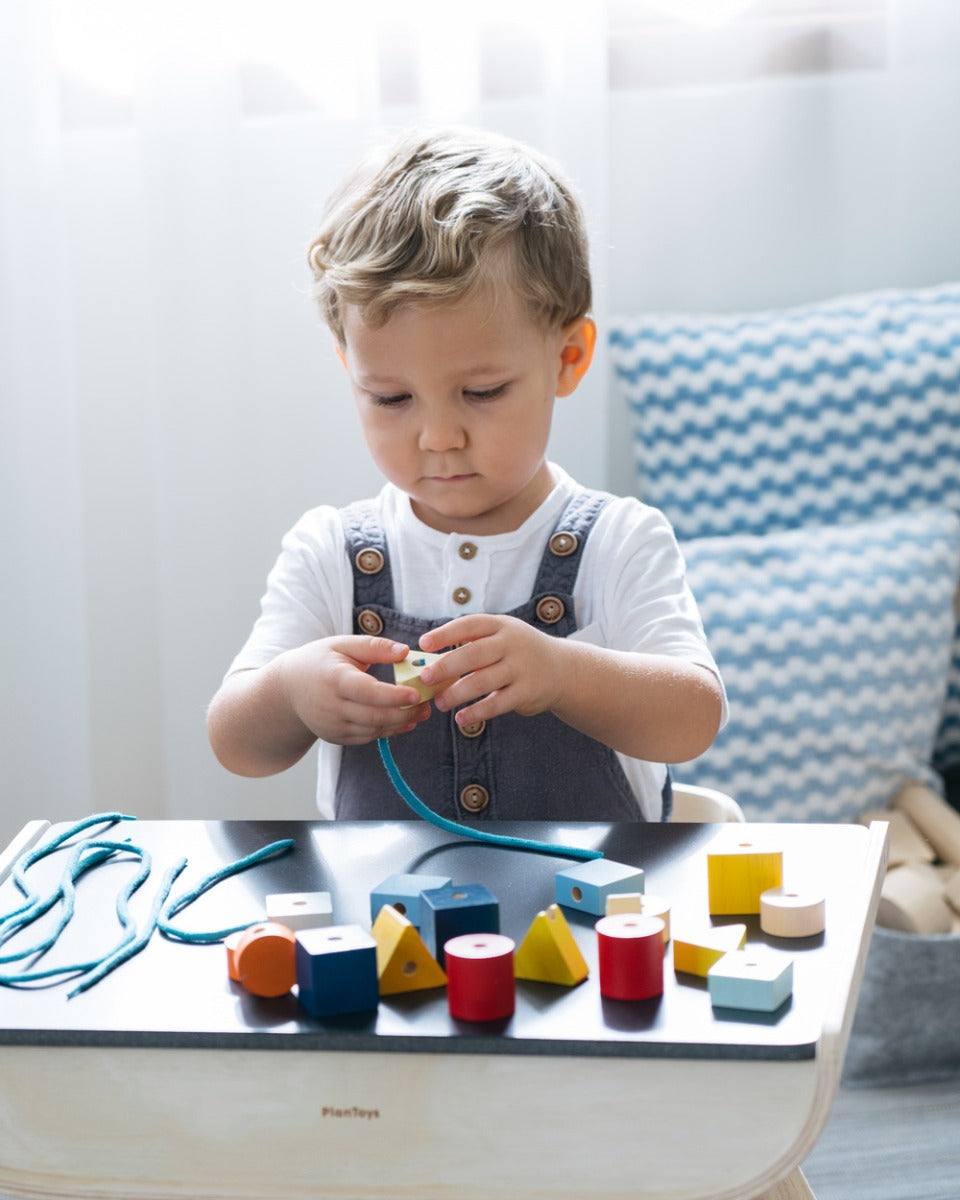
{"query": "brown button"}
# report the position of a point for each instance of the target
(369, 561)
(562, 544)
(474, 729)
(461, 595)
(550, 609)
(370, 622)
(474, 798)
(467, 550)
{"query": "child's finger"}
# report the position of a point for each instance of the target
(368, 650)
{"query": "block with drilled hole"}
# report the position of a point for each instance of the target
(588, 884)
(404, 963)
(407, 672)
(403, 893)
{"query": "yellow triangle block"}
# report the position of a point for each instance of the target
(696, 954)
(404, 963)
(549, 951)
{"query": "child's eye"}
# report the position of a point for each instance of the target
(486, 393)
(390, 401)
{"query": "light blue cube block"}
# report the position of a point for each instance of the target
(756, 979)
(587, 885)
(403, 892)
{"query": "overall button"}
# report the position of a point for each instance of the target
(563, 544)
(369, 561)
(550, 609)
(461, 595)
(370, 622)
(474, 797)
(467, 550)
(474, 729)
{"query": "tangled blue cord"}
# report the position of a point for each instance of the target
(84, 856)
(478, 835)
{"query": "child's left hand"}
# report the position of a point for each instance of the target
(501, 662)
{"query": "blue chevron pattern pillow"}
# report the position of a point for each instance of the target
(834, 644)
(840, 411)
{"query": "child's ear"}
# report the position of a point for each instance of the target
(576, 353)
(342, 355)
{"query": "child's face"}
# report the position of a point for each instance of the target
(455, 403)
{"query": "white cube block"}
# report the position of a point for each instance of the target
(300, 910)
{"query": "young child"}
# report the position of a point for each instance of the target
(453, 273)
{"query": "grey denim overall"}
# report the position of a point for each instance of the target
(508, 768)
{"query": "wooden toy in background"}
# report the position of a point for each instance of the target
(587, 885)
(630, 953)
(300, 910)
(912, 900)
(404, 964)
(739, 874)
(480, 979)
(920, 893)
(402, 892)
(455, 909)
(756, 979)
(407, 672)
(262, 959)
(336, 970)
(792, 913)
(695, 953)
(639, 902)
(549, 952)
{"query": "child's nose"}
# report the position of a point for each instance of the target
(442, 431)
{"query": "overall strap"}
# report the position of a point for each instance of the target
(368, 554)
(561, 557)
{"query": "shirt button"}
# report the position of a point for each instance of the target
(370, 622)
(461, 595)
(467, 550)
(369, 561)
(474, 729)
(474, 797)
(563, 544)
(550, 609)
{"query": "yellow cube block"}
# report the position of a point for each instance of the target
(696, 953)
(739, 874)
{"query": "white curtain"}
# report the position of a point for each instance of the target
(170, 402)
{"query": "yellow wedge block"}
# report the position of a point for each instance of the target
(695, 954)
(549, 952)
(404, 963)
(407, 672)
(739, 874)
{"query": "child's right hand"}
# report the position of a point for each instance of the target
(328, 687)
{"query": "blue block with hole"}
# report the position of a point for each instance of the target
(587, 885)
(336, 970)
(403, 892)
(454, 909)
(756, 979)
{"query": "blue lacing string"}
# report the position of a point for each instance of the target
(479, 835)
(84, 856)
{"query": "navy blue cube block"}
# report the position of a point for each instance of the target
(447, 912)
(336, 970)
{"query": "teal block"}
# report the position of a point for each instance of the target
(587, 885)
(756, 979)
(447, 912)
(403, 892)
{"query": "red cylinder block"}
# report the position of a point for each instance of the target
(631, 956)
(480, 979)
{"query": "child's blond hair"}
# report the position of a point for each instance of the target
(440, 213)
